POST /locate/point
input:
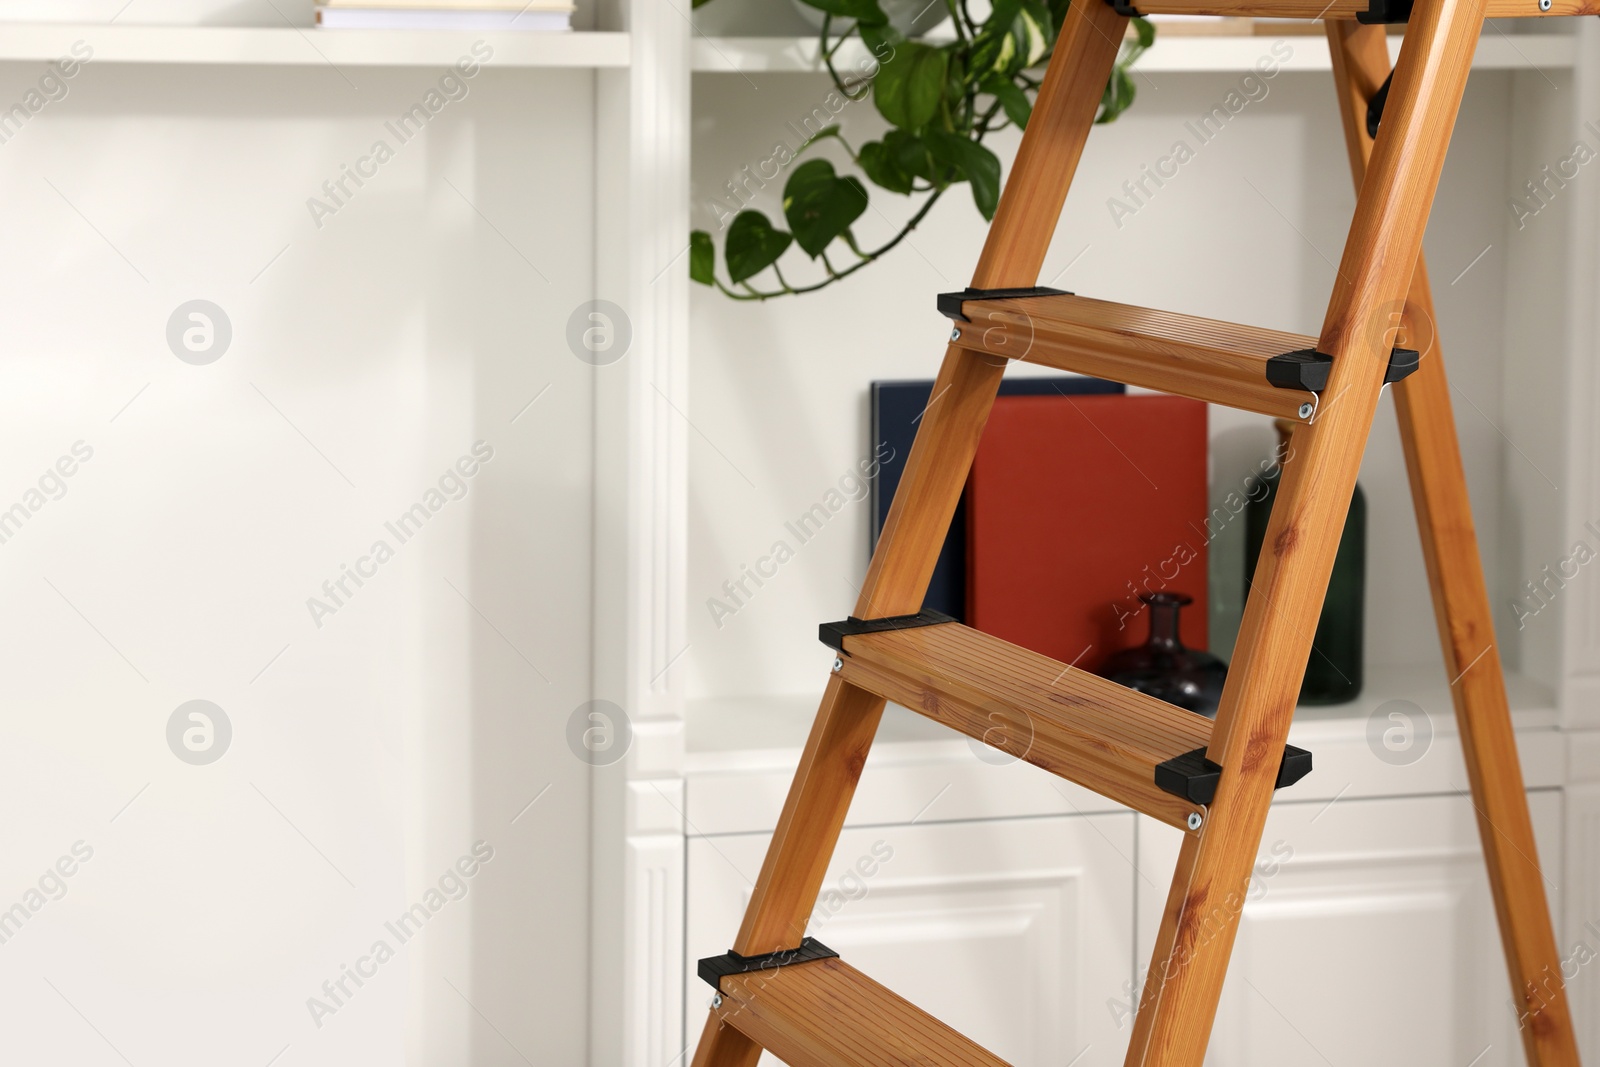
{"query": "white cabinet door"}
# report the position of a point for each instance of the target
(1368, 937)
(1016, 932)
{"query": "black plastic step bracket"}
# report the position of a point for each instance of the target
(713, 969)
(833, 634)
(950, 303)
(1383, 12)
(1402, 362)
(1194, 778)
(1303, 369)
(1308, 369)
(1375, 106)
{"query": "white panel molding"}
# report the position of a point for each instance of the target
(1579, 914)
(641, 434)
(1404, 874)
(1580, 660)
(1581, 887)
(655, 806)
(652, 994)
(1015, 932)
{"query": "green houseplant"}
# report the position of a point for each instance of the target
(941, 102)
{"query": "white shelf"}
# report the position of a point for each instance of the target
(1170, 54)
(300, 47)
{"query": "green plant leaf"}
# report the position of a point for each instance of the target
(882, 168)
(753, 245)
(911, 155)
(1026, 42)
(1039, 13)
(992, 37)
(881, 40)
(1002, 13)
(702, 258)
(1120, 87)
(909, 85)
(985, 53)
(1118, 97)
(957, 86)
(819, 205)
(1013, 100)
(866, 12)
(973, 162)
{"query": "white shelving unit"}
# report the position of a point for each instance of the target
(645, 809)
(719, 765)
(194, 150)
(297, 46)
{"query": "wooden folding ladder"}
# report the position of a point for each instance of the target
(783, 992)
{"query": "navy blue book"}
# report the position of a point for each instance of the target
(897, 409)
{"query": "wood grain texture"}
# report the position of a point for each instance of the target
(724, 1046)
(1186, 355)
(1063, 114)
(1346, 10)
(1173, 1024)
(1073, 724)
(930, 487)
(796, 860)
(1465, 619)
(813, 814)
(964, 391)
(828, 1014)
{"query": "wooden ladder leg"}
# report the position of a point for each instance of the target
(930, 488)
(1179, 1002)
(1466, 625)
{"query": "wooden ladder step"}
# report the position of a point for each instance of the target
(1074, 724)
(1218, 362)
(825, 1013)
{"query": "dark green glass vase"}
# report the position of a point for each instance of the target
(1333, 674)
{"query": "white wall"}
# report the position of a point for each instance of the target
(1249, 231)
(372, 752)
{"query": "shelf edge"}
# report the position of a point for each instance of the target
(306, 46)
(1173, 55)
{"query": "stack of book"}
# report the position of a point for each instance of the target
(537, 15)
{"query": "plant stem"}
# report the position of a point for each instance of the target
(827, 59)
(867, 257)
(957, 10)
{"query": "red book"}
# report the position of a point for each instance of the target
(1077, 504)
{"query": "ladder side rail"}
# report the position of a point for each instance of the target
(1465, 618)
(1013, 254)
(936, 471)
(1178, 1006)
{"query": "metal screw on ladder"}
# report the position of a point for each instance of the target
(716, 1000)
(838, 665)
(1195, 820)
(1544, 5)
(955, 334)
(1307, 408)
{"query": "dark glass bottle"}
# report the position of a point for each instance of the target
(1162, 667)
(1333, 674)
